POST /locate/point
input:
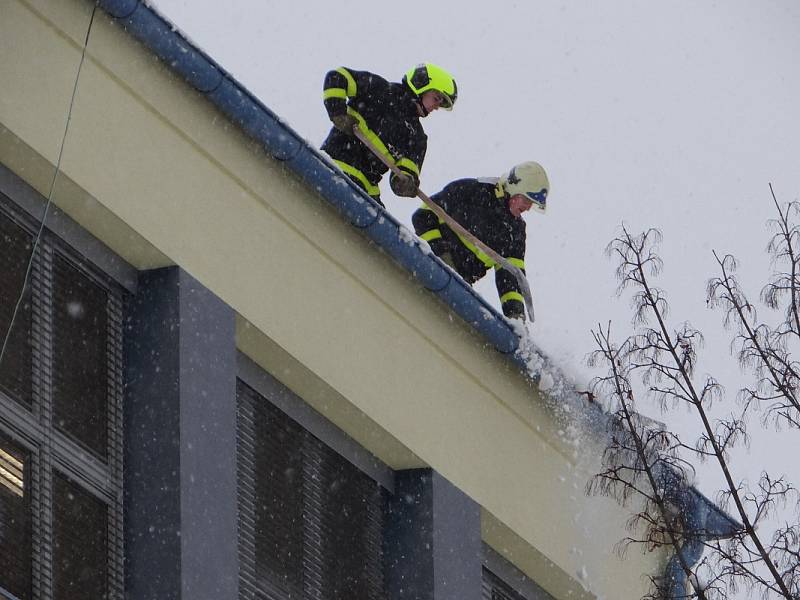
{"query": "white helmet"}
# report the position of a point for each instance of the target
(530, 180)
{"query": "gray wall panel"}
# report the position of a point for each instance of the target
(434, 540)
(180, 442)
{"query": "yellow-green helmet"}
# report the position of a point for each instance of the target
(427, 76)
(530, 180)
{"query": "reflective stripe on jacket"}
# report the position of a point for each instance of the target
(480, 207)
(386, 112)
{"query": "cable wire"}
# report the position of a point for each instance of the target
(29, 268)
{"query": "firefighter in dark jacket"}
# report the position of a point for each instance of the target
(491, 209)
(388, 114)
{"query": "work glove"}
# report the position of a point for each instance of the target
(344, 123)
(403, 185)
(515, 310)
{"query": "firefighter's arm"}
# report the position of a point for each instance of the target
(511, 299)
(411, 166)
(339, 85)
(428, 228)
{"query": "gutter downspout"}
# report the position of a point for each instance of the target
(702, 521)
(284, 144)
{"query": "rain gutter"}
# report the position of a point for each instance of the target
(701, 521)
(285, 145)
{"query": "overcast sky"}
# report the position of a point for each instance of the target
(675, 115)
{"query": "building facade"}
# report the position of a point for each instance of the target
(215, 386)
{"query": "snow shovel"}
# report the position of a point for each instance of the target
(457, 228)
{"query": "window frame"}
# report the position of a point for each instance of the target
(520, 586)
(313, 425)
(316, 424)
(52, 451)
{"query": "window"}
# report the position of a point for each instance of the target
(503, 581)
(311, 524)
(80, 384)
(80, 543)
(15, 364)
(60, 420)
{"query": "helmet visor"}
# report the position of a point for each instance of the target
(442, 100)
(539, 199)
(447, 101)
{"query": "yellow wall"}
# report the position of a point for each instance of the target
(154, 171)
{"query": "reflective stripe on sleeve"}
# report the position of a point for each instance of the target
(511, 296)
(352, 88)
(426, 207)
(334, 93)
(408, 165)
(430, 235)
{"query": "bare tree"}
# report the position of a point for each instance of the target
(765, 349)
(642, 463)
(642, 456)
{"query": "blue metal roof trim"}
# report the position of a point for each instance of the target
(206, 76)
(122, 9)
(705, 521)
(145, 24)
(433, 274)
(256, 120)
(359, 210)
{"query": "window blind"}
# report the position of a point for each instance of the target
(63, 367)
(495, 588)
(311, 523)
(16, 571)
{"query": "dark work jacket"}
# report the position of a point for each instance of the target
(481, 208)
(387, 110)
